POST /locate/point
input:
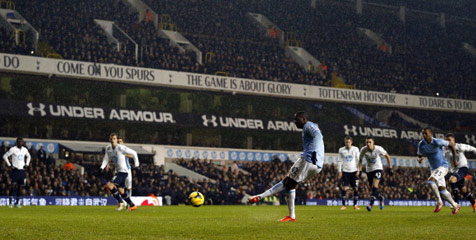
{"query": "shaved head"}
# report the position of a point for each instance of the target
(301, 114)
(300, 118)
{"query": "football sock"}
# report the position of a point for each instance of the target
(291, 198)
(435, 190)
(455, 193)
(470, 197)
(18, 193)
(126, 198)
(446, 195)
(376, 194)
(13, 193)
(454, 186)
(343, 194)
(116, 195)
(356, 197)
(274, 189)
(372, 200)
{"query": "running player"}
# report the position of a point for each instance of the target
(373, 155)
(457, 179)
(432, 148)
(128, 184)
(116, 153)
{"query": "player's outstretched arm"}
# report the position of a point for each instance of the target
(128, 151)
(419, 158)
(105, 161)
(390, 166)
(419, 153)
(466, 148)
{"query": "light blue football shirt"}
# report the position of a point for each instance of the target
(434, 152)
(312, 141)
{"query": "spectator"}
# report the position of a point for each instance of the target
(41, 154)
(50, 161)
(68, 166)
(423, 54)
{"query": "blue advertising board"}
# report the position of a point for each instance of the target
(388, 202)
(50, 147)
(61, 201)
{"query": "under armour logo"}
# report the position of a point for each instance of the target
(353, 130)
(470, 139)
(32, 109)
(212, 120)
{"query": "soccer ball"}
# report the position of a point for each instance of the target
(196, 199)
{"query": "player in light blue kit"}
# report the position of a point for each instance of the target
(309, 164)
(432, 148)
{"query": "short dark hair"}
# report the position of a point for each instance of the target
(428, 129)
(369, 137)
(19, 138)
(113, 134)
(301, 114)
(450, 135)
(348, 138)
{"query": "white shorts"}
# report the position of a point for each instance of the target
(439, 174)
(302, 170)
(128, 183)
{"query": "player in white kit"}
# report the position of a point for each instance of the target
(18, 155)
(459, 172)
(347, 166)
(373, 155)
(116, 154)
(128, 183)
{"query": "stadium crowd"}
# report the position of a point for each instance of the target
(228, 184)
(239, 47)
(423, 56)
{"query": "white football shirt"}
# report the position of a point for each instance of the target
(117, 157)
(348, 159)
(373, 158)
(460, 157)
(18, 157)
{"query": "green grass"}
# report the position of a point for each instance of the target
(234, 222)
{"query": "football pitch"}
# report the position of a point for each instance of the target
(234, 222)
